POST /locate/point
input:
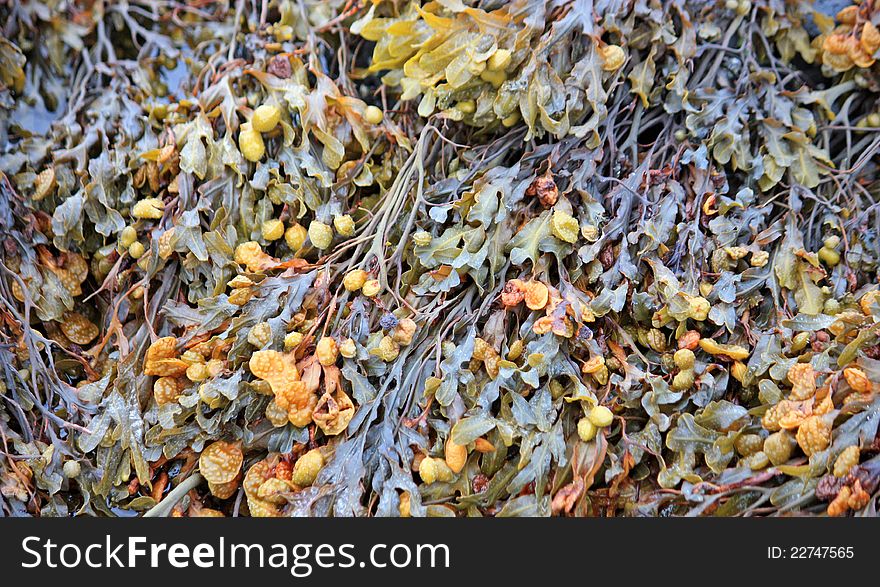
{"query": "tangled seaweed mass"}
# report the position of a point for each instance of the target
(452, 258)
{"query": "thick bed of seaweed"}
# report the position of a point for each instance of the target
(454, 258)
